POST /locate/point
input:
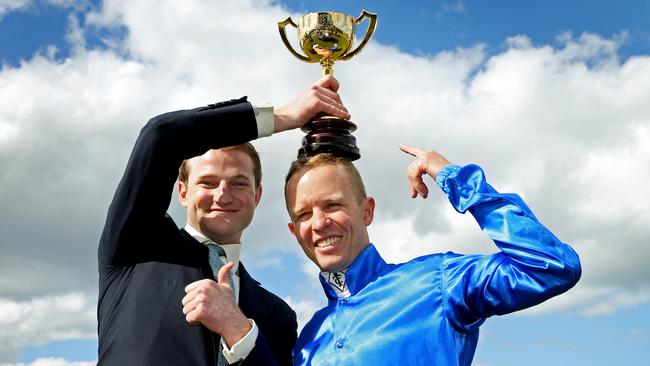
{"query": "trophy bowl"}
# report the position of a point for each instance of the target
(326, 37)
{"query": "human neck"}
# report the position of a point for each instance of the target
(194, 231)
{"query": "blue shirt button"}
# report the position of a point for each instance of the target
(344, 301)
(339, 344)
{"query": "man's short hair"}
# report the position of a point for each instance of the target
(310, 162)
(247, 148)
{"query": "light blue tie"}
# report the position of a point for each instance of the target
(214, 257)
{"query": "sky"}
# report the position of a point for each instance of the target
(550, 98)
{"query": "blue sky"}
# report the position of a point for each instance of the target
(569, 80)
(446, 24)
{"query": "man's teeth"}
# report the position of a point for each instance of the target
(329, 241)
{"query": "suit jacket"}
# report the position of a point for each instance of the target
(145, 261)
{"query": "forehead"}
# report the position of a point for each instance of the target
(221, 162)
(323, 182)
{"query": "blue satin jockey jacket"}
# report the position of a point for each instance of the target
(428, 311)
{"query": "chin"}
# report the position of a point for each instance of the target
(330, 267)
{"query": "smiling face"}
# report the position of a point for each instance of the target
(327, 218)
(220, 194)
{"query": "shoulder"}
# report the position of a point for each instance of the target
(262, 295)
(425, 262)
(261, 292)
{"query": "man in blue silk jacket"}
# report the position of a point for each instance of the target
(426, 311)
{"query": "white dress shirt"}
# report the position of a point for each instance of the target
(244, 346)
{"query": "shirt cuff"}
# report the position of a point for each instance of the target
(265, 119)
(441, 177)
(243, 348)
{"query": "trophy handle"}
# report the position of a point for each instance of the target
(369, 32)
(283, 35)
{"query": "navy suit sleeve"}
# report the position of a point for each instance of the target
(285, 339)
(275, 319)
(139, 206)
(261, 354)
(532, 265)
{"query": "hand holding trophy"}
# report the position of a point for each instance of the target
(326, 37)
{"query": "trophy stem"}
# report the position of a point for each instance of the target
(327, 64)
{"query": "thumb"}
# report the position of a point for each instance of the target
(329, 82)
(222, 276)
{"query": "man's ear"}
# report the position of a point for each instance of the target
(291, 228)
(182, 194)
(368, 210)
(258, 195)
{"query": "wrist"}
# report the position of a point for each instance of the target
(236, 330)
(279, 121)
(438, 169)
(240, 350)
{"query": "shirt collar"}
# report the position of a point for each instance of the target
(365, 268)
(233, 251)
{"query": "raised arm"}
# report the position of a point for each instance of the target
(142, 198)
(143, 195)
(532, 265)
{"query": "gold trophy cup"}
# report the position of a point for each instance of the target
(326, 37)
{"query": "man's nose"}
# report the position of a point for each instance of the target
(320, 221)
(222, 194)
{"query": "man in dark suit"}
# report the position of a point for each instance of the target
(159, 303)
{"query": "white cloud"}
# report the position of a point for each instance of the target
(75, 34)
(7, 131)
(51, 362)
(304, 310)
(70, 4)
(7, 6)
(603, 170)
(592, 301)
(454, 6)
(45, 319)
(615, 299)
(564, 125)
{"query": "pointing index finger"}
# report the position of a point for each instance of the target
(414, 151)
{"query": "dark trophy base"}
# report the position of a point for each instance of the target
(329, 135)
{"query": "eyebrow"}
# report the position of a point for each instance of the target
(294, 212)
(215, 176)
(240, 176)
(336, 198)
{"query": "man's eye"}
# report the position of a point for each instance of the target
(302, 216)
(241, 184)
